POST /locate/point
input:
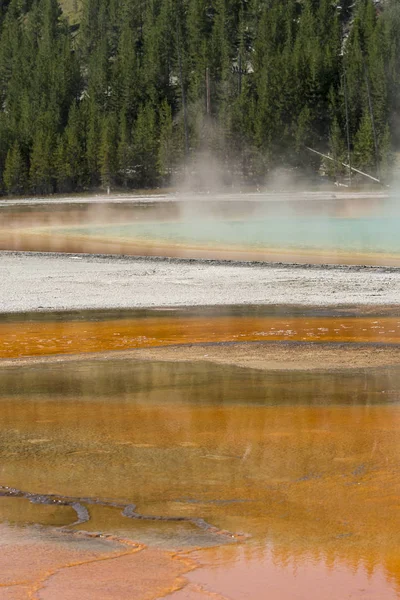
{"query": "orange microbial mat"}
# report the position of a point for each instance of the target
(35, 338)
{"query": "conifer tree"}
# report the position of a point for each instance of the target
(145, 147)
(165, 162)
(93, 136)
(118, 92)
(41, 173)
(75, 149)
(337, 150)
(364, 155)
(386, 157)
(107, 153)
(61, 171)
(124, 151)
(15, 171)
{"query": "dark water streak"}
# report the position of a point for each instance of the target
(127, 510)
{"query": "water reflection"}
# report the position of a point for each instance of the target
(280, 574)
(306, 463)
(134, 383)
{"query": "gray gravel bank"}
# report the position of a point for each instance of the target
(34, 281)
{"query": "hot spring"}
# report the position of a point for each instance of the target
(306, 228)
(225, 448)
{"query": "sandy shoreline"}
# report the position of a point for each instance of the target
(46, 282)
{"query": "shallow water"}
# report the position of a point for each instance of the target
(305, 464)
(33, 337)
(292, 228)
(374, 234)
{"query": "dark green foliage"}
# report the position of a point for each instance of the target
(15, 172)
(135, 88)
(144, 147)
(107, 152)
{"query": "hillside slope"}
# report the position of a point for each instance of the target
(131, 90)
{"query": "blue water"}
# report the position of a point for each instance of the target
(367, 234)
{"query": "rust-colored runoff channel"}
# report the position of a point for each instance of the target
(39, 338)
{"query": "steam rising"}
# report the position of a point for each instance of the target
(214, 212)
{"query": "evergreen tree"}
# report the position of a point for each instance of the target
(41, 173)
(337, 150)
(364, 153)
(124, 151)
(75, 164)
(166, 153)
(386, 157)
(145, 148)
(61, 172)
(107, 153)
(15, 171)
(122, 91)
(93, 135)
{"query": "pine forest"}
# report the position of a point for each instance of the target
(126, 93)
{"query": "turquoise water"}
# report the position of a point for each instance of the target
(366, 234)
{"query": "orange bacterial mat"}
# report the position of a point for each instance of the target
(29, 338)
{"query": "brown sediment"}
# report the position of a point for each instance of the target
(37, 338)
